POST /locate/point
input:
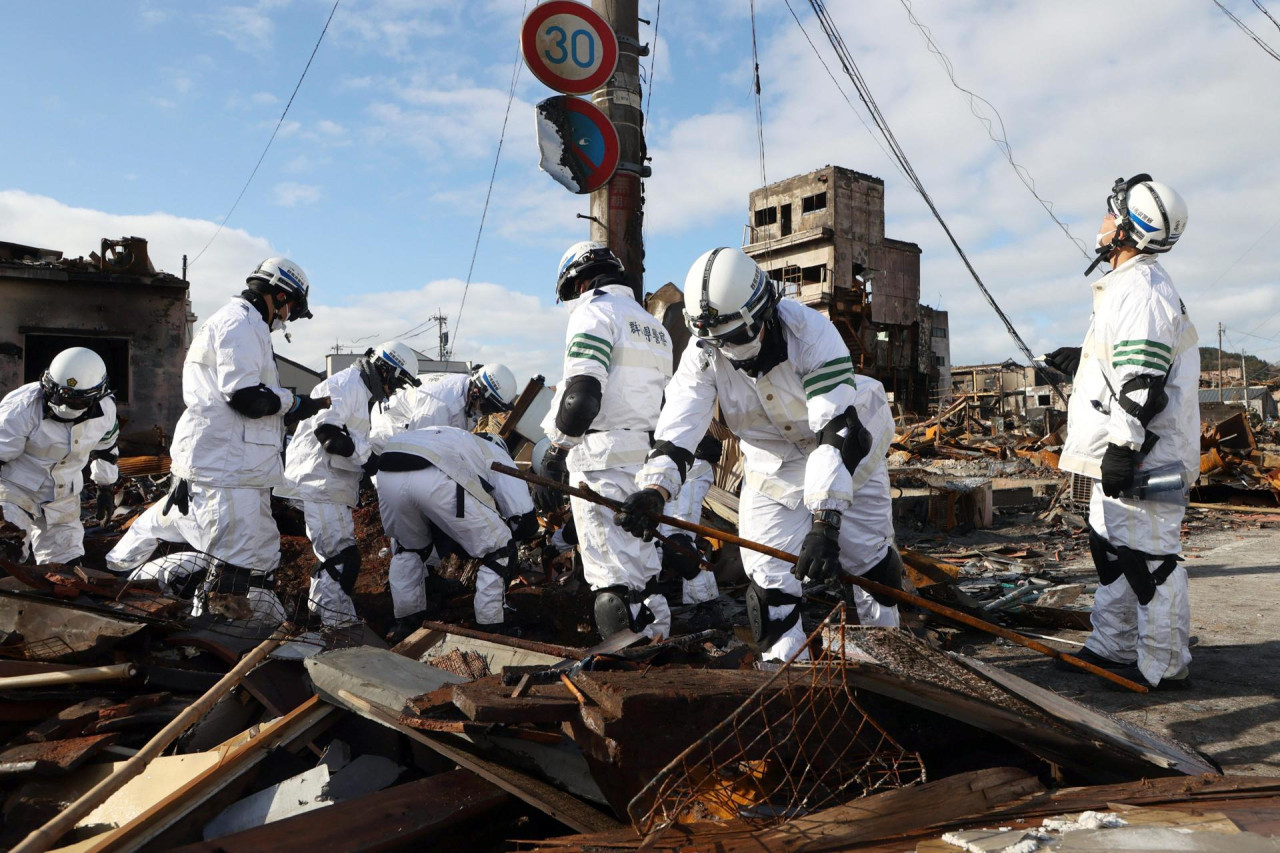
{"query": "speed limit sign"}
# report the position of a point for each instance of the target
(569, 46)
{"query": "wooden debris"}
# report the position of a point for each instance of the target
(52, 757)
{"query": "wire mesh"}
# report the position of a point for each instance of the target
(800, 743)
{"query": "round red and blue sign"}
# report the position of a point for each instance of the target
(579, 144)
(569, 47)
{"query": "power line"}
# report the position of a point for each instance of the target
(1263, 10)
(653, 61)
(1241, 24)
(868, 100)
(276, 130)
(1001, 140)
(755, 85)
(502, 135)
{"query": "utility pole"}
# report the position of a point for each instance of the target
(1244, 383)
(441, 320)
(617, 210)
(1219, 362)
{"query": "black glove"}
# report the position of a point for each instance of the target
(680, 556)
(370, 465)
(1064, 360)
(820, 553)
(1119, 464)
(639, 511)
(106, 505)
(179, 496)
(554, 467)
(524, 527)
(308, 406)
(335, 439)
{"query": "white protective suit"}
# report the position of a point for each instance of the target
(456, 496)
(613, 339)
(687, 506)
(231, 461)
(788, 474)
(1139, 326)
(328, 486)
(440, 401)
(41, 460)
(146, 533)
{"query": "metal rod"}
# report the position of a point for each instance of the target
(870, 586)
(70, 676)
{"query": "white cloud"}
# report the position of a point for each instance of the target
(264, 99)
(290, 194)
(499, 324)
(247, 27)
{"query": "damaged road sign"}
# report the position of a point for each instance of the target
(569, 47)
(579, 144)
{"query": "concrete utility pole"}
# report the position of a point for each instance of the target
(1219, 362)
(617, 211)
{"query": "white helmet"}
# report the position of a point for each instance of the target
(727, 297)
(582, 257)
(538, 455)
(284, 275)
(495, 385)
(1153, 214)
(398, 364)
(75, 380)
(494, 438)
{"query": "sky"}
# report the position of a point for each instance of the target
(145, 117)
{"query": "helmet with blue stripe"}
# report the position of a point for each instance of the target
(1150, 214)
(727, 297)
(398, 364)
(284, 276)
(495, 387)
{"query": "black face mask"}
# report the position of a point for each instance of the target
(773, 350)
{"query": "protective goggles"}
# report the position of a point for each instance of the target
(743, 334)
(73, 398)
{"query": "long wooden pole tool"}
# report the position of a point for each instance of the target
(868, 585)
(46, 836)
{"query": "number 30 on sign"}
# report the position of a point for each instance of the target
(569, 47)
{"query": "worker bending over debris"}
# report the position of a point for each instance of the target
(617, 361)
(227, 445)
(813, 438)
(436, 489)
(443, 399)
(49, 431)
(325, 461)
(681, 554)
(1134, 411)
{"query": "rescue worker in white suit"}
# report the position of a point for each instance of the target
(436, 489)
(324, 463)
(443, 399)
(227, 445)
(49, 431)
(617, 361)
(1134, 408)
(813, 437)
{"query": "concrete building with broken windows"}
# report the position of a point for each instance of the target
(115, 303)
(822, 236)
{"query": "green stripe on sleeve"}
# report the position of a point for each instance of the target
(583, 345)
(816, 392)
(833, 362)
(591, 355)
(819, 378)
(1142, 362)
(1146, 343)
(583, 336)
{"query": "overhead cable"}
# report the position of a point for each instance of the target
(1002, 138)
(868, 100)
(1263, 10)
(272, 139)
(1256, 38)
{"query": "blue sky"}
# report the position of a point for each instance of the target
(145, 117)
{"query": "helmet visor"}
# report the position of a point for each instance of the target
(73, 398)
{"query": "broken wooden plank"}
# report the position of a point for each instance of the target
(488, 701)
(565, 808)
(379, 675)
(406, 816)
(293, 796)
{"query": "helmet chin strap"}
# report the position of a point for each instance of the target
(1104, 253)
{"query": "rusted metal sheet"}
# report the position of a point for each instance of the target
(52, 757)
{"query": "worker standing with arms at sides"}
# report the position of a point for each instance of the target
(1134, 410)
(813, 437)
(227, 445)
(324, 463)
(49, 431)
(617, 361)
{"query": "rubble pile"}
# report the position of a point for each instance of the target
(1238, 465)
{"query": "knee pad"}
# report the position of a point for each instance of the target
(1142, 580)
(766, 631)
(237, 580)
(888, 572)
(343, 567)
(613, 611)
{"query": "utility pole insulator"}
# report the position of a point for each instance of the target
(617, 210)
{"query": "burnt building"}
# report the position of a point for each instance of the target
(115, 303)
(822, 236)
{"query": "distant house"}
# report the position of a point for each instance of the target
(335, 361)
(114, 303)
(298, 378)
(1257, 397)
